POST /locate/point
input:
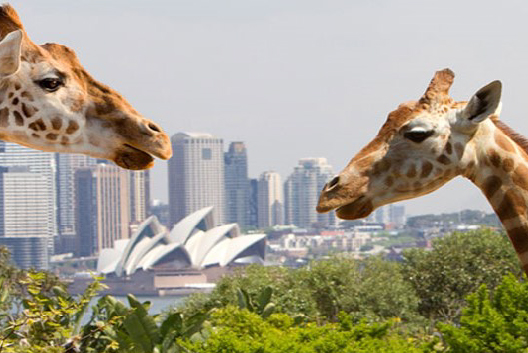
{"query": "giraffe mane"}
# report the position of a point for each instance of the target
(9, 20)
(519, 139)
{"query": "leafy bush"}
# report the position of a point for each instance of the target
(370, 288)
(456, 266)
(240, 331)
(493, 321)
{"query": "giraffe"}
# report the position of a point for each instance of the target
(425, 143)
(49, 102)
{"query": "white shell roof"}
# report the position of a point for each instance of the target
(151, 224)
(201, 248)
(183, 229)
(201, 243)
(160, 252)
(140, 250)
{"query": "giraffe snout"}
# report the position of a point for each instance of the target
(153, 139)
(329, 197)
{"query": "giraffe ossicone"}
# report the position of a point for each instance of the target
(425, 143)
(48, 101)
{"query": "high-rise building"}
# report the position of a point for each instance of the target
(103, 207)
(302, 190)
(66, 166)
(28, 252)
(253, 203)
(236, 184)
(397, 215)
(85, 186)
(43, 165)
(139, 195)
(196, 175)
(381, 215)
(24, 217)
(270, 200)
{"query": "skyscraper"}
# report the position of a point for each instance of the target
(270, 200)
(397, 215)
(24, 217)
(139, 195)
(196, 175)
(103, 207)
(43, 165)
(253, 203)
(236, 184)
(302, 192)
(66, 166)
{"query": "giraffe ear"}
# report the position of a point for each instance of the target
(484, 103)
(10, 48)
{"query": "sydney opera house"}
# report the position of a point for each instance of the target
(191, 253)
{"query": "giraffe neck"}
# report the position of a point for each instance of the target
(502, 175)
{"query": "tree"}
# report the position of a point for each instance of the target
(370, 288)
(494, 321)
(455, 267)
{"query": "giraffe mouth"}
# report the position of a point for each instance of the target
(133, 158)
(359, 208)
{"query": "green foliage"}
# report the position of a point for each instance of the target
(241, 331)
(334, 305)
(492, 323)
(456, 266)
(288, 295)
(373, 288)
(263, 307)
(50, 316)
(114, 327)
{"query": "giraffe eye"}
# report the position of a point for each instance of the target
(418, 135)
(50, 84)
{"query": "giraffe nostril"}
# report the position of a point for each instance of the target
(154, 127)
(332, 183)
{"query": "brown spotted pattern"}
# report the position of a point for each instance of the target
(72, 127)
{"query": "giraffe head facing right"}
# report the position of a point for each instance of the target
(48, 101)
(422, 145)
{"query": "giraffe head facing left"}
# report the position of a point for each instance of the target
(422, 145)
(48, 101)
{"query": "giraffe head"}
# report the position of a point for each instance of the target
(48, 101)
(422, 145)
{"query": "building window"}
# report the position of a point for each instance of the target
(206, 153)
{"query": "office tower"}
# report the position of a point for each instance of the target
(196, 175)
(397, 215)
(139, 195)
(43, 164)
(381, 215)
(302, 190)
(253, 203)
(270, 200)
(66, 166)
(85, 212)
(24, 217)
(236, 184)
(102, 196)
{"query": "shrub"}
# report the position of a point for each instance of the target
(456, 266)
(493, 321)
